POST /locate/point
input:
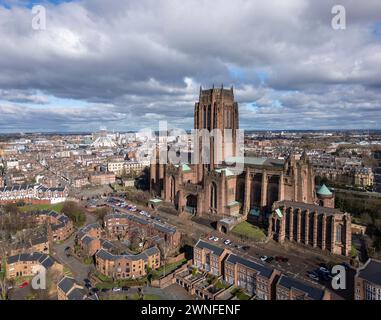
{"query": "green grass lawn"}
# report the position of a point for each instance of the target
(157, 274)
(237, 292)
(151, 297)
(250, 231)
(35, 207)
(220, 285)
(67, 272)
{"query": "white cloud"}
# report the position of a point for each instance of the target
(144, 60)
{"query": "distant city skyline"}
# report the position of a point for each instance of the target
(127, 65)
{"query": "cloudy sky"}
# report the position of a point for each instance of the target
(127, 64)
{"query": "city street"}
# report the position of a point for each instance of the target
(79, 270)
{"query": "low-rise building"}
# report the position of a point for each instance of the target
(33, 194)
(122, 225)
(368, 281)
(80, 182)
(68, 289)
(62, 227)
(28, 264)
(252, 277)
(209, 257)
(127, 266)
(291, 289)
(102, 178)
(364, 177)
(39, 244)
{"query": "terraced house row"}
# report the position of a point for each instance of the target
(33, 194)
(257, 280)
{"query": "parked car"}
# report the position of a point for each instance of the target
(23, 285)
(324, 270)
(227, 242)
(269, 259)
(211, 238)
(281, 259)
(323, 275)
(245, 248)
(264, 258)
(104, 290)
(116, 289)
(216, 239)
(125, 288)
(313, 275)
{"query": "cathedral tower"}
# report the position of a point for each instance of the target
(216, 109)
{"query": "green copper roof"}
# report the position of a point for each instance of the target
(228, 172)
(184, 167)
(324, 191)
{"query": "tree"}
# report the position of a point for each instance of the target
(74, 212)
(101, 213)
(3, 278)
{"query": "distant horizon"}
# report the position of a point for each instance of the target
(187, 130)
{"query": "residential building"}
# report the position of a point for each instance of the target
(33, 194)
(209, 257)
(254, 278)
(124, 225)
(102, 178)
(68, 289)
(62, 227)
(127, 266)
(27, 264)
(291, 289)
(368, 281)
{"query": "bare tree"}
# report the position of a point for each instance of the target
(3, 278)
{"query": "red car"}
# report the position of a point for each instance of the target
(23, 285)
(281, 259)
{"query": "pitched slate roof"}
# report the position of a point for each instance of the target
(311, 292)
(371, 271)
(77, 294)
(42, 258)
(206, 245)
(262, 270)
(105, 255)
(66, 284)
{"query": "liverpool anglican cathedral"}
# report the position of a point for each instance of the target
(278, 194)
